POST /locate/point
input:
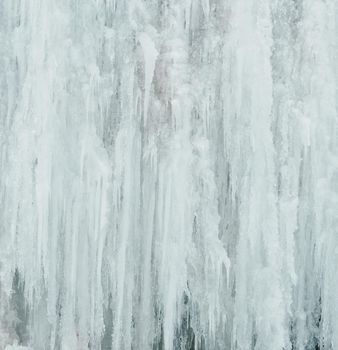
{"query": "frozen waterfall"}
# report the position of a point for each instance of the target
(168, 174)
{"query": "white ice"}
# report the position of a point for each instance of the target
(168, 174)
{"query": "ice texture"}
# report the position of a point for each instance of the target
(168, 175)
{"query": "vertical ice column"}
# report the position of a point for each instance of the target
(318, 235)
(58, 176)
(181, 229)
(288, 144)
(125, 236)
(260, 315)
(209, 285)
(173, 224)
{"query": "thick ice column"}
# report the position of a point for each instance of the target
(58, 176)
(260, 315)
(319, 112)
(288, 143)
(173, 213)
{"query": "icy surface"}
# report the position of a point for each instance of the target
(168, 174)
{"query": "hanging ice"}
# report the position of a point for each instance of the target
(168, 175)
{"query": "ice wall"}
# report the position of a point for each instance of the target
(168, 174)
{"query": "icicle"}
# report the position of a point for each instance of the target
(168, 175)
(150, 54)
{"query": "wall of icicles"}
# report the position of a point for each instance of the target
(168, 174)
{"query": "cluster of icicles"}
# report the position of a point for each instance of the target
(168, 174)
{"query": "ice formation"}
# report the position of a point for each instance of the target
(168, 174)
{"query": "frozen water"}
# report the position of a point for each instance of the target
(168, 174)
